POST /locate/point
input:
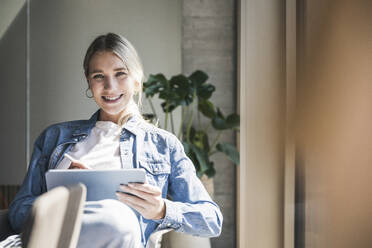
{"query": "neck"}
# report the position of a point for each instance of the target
(107, 117)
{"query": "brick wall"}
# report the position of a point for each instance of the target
(210, 43)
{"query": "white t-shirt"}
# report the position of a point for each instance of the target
(100, 150)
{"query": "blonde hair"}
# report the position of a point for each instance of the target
(121, 47)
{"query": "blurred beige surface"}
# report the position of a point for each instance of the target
(335, 134)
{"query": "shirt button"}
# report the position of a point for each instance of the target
(125, 152)
(75, 139)
(169, 224)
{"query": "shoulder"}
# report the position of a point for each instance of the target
(60, 132)
(67, 126)
(156, 134)
(75, 126)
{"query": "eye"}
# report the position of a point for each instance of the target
(98, 76)
(121, 74)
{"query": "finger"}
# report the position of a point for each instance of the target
(77, 165)
(141, 194)
(138, 208)
(145, 187)
(135, 207)
(132, 201)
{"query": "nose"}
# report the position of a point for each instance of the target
(109, 82)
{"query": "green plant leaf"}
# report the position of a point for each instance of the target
(197, 156)
(180, 87)
(230, 151)
(200, 140)
(192, 133)
(168, 108)
(233, 120)
(186, 147)
(191, 155)
(161, 78)
(205, 91)
(166, 94)
(201, 156)
(198, 77)
(220, 114)
(206, 108)
(154, 84)
(180, 84)
(211, 171)
(219, 123)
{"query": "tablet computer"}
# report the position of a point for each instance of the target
(101, 184)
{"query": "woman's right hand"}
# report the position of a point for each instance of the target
(77, 165)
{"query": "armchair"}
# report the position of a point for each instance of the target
(63, 210)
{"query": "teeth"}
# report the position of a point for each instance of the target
(111, 98)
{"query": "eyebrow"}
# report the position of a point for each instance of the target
(116, 69)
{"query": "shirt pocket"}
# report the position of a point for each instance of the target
(157, 171)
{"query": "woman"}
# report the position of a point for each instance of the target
(116, 136)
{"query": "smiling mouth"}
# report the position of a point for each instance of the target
(111, 99)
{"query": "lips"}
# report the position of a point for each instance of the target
(112, 99)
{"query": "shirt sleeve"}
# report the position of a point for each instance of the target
(31, 188)
(191, 209)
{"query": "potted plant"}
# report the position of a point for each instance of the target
(193, 94)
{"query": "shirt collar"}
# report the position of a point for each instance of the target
(131, 125)
(84, 129)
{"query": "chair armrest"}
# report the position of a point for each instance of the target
(5, 229)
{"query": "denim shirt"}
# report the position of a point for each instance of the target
(142, 145)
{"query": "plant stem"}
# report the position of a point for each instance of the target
(166, 115)
(152, 108)
(166, 120)
(180, 131)
(172, 124)
(199, 124)
(189, 124)
(215, 142)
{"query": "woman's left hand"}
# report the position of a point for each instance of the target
(145, 198)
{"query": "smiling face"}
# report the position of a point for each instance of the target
(111, 84)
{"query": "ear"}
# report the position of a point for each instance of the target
(137, 87)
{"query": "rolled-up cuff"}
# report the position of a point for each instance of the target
(172, 218)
